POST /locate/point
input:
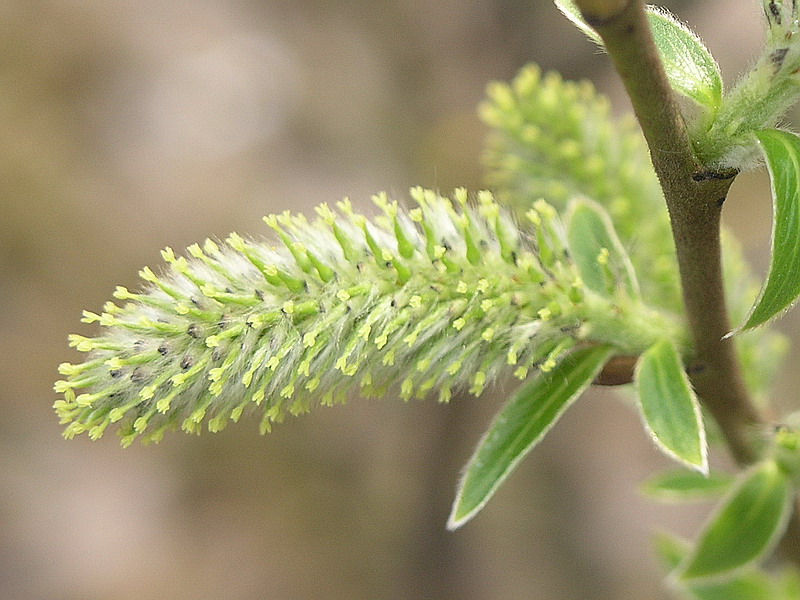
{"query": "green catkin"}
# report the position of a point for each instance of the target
(446, 296)
(557, 139)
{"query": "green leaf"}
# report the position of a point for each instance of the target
(690, 67)
(521, 424)
(789, 584)
(750, 585)
(681, 485)
(745, 528)
(597, 251)
(670, 549)
(669, 407)
(754, 585)
(782, 151)
(568, 8)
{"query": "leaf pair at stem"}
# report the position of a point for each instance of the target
(746, 526)
(743, 530)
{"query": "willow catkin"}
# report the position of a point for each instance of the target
(446, 295)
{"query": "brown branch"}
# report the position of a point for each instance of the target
(694, 195)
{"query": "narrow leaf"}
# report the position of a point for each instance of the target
(690, 67)
(573, 13)
(521, 424)
(679, 485)
(750, 585)
(782, 151)
(597, 251)
(745, 528)
(669, 407)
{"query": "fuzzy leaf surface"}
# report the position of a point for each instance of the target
(782, 287)
(690, 67)
(601, 259)
(745, 528)
(679, 485)
(520, 425)
(669, 406)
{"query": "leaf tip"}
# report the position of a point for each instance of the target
(701, 467)
(455, 521)
(460, 514)
(697, 464)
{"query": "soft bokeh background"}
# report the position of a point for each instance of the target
(129, 126)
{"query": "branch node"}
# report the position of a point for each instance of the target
(710, 175)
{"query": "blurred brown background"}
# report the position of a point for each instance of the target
(129, 126)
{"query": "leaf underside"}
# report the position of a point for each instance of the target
(669, 406)
(749, 585)
(745, 528)
(690, 67)
(597, 251)
(782, 287)
(521, 424)
(678, 485)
